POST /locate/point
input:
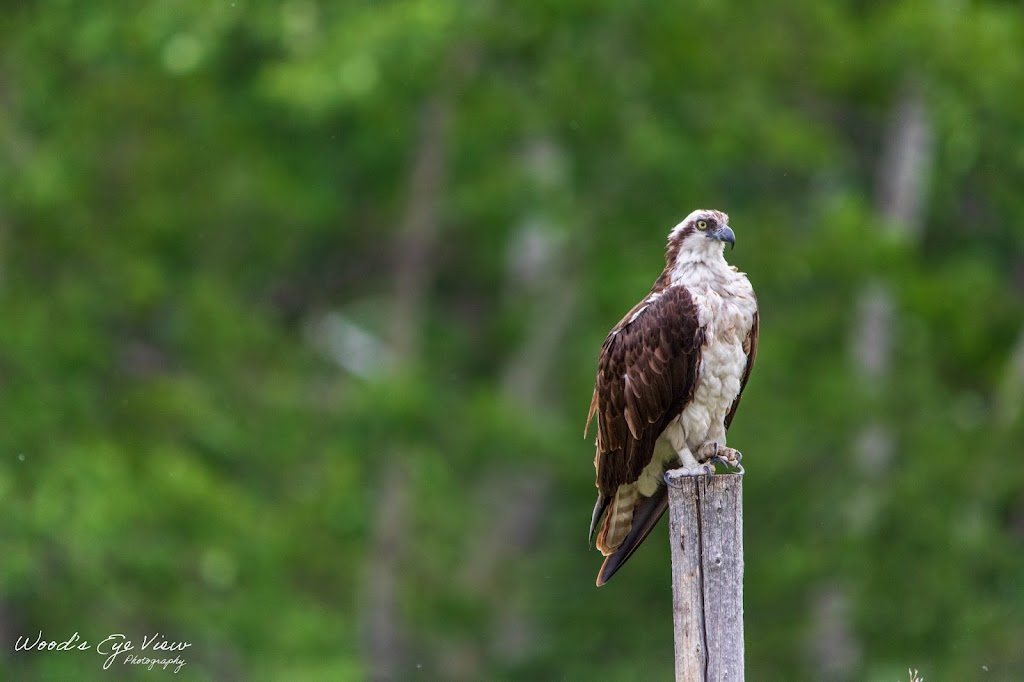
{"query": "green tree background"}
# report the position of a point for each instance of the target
(300, 304)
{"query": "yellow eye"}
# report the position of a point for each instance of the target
(702, 225)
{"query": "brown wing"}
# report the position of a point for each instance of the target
(646, 373)
(750, 348)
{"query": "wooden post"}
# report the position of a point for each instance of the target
(706, 530)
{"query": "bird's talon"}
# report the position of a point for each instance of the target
(683, 472)
(730, 459)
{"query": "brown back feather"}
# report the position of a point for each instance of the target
(646, 373)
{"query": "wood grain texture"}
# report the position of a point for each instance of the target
(706, 530)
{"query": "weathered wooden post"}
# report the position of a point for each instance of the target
(706, 531)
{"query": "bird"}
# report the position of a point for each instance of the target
(669, 380)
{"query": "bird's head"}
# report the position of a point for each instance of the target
(703, 230)
(701, 236)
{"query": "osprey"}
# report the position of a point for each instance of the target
(669, 379)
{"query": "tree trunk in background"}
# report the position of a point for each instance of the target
(906, 165)
(385, 643)
(538, 272)
(903, 176)
(833, 648)
(414, 271)
(902, 183)
(419, 228)
(15, 149)
(415, 268)
(524, 378)
(513, 504)
(1010, 402)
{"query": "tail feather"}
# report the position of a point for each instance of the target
(599, 507)
(618, 519)
(646, 513)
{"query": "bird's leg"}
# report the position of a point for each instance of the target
(689, 466)
(714, 451)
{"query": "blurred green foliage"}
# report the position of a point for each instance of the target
(210, 431)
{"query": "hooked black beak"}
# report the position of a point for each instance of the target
(724, 233)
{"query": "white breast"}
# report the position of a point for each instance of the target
(726, 311)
